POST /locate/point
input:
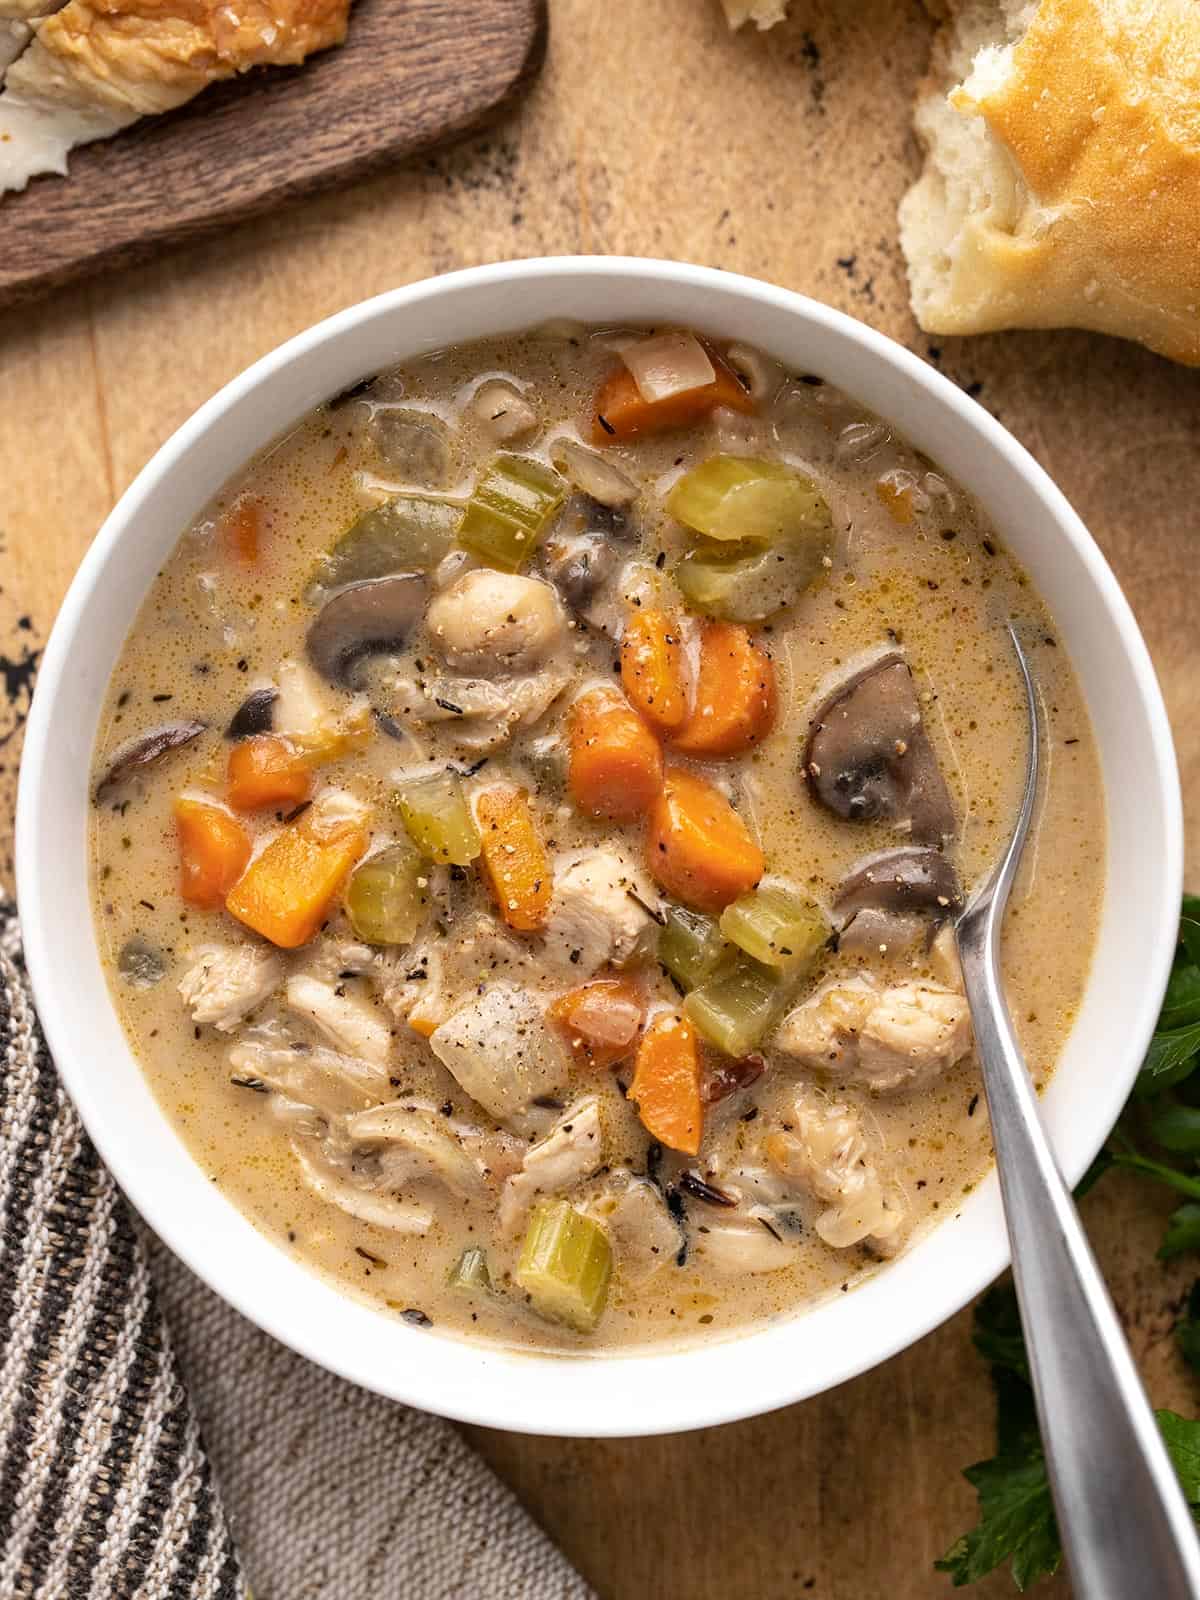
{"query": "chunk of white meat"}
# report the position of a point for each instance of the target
(416, 1144)
(327, 1080)
(568, 1155)
(644, 1235)
(733, 1243)
(598, 916)
(496, 623)
(503, 1052)
(303, 709)
(349, 1021)
(824, 1152)
(379, 1208)
(227, 982)
(476, 714)
(503, 412)
(886, 1039)
(445, 971)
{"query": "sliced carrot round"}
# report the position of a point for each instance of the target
(615, 767)
(698, 848)
(267, 770)
(652, 669)
(666, 1084)
(735, 694)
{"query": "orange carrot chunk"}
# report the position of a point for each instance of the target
(698, 849)
(213, 852)
(666, 1084)
(735, 694)
(266, 770)
(286, 893)
(601, 1020)
(240, 530)
(652, 669)
(615, 768)
(621, 412)
(513, 857)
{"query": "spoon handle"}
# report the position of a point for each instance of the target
(1124, 1522)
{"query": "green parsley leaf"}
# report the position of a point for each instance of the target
(1174, 1125)
(1171, 1176)
(1170, 1058)
(1189, 928)
(997, 1332)
(1182, 1439)
(1187, 1330)
(1016, 1512)
(1183, 1232)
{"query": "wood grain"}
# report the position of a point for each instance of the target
(653, 132)
(412, 74)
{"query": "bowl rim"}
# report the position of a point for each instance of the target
(478, 1383)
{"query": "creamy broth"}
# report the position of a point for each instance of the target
(829, 1145)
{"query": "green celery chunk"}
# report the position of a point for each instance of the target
(739, 1005)
(470, 1274)
(739, 497)
(778, 926)
(405, 534)
(439, 821)
(565, 1266)
(385, 899)
(748, 582)
(511, 507)
(690, 945)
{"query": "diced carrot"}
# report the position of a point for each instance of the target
(615, 767)
(666, 1084)
(240, 530)
(652, 669)
(621, 413)
(735, 694)
(267, 770)
(601, 1020)
(698, 848)
(513, 857)
(286, 892)
(213, 852)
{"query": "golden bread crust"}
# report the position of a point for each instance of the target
(146, 56)
(1075, 202)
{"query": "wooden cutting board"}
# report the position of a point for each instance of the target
(412, 74)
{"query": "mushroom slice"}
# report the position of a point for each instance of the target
(901, 881)
(256, 714)
(365, 619)
(142, 751)
(416, 1144)
(869, 759)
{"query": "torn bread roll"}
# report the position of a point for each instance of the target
(95, 66)
(1061, 185)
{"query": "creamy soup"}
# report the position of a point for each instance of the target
(530, 810)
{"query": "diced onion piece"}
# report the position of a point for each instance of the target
(668, 364)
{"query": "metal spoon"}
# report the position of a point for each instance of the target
(1124, 1522)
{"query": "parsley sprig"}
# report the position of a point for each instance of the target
(1158, 1135)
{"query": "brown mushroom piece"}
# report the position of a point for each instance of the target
(365, 619)
(142, 751)
(869, 759)
(896, 900)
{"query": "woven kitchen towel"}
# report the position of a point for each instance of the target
(106, 1490)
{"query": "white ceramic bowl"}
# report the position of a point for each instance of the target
(647, 1393)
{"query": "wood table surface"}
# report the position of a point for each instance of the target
(654, 132)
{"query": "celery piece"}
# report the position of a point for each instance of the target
(745, 581)
(439, 821)
(385, 900)
(470, 1274)
(405, 534)
(566, 1262)
(778, 926)
(739, 1005)
(690, 945)
(738, 497)
(511, 506)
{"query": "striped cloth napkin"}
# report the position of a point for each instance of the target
(115, 1433)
